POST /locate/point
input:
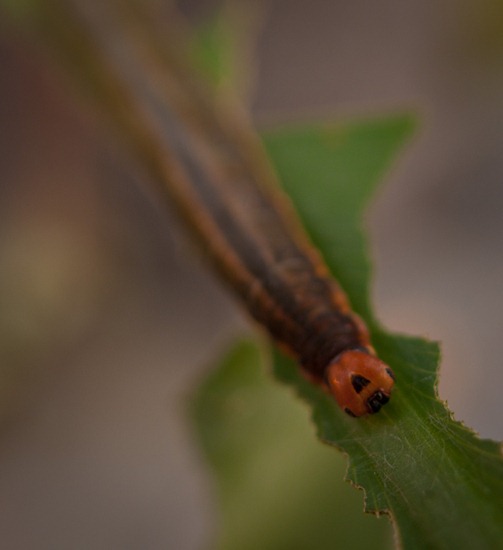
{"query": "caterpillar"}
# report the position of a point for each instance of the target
(210, 162)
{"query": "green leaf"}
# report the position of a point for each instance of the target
(278, 487)
(330, 173)
(221, 49)
(212, 49)
(441, 484)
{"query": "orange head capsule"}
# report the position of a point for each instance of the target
(361, 383)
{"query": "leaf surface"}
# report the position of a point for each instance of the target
(441, 484)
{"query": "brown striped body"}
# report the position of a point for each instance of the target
(216, 172)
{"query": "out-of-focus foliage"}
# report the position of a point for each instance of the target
(278, 488)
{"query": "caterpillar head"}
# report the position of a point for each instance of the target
(360, 382)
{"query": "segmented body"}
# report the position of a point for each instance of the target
(215, 170)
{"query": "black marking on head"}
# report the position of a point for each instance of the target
(376, 401)
(359, 382)
(350, 412)
(391, 373)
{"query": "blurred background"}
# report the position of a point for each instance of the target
(108, 318)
